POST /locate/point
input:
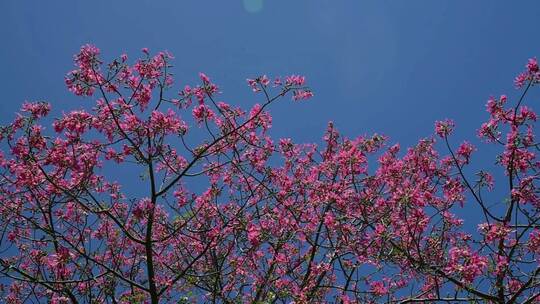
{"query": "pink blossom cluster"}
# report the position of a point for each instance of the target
(82, 81)
(530, 75)
(465, 263)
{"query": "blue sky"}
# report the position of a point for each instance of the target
(392, 67)
(376, 66)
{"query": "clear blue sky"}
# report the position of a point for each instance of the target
(392, 67)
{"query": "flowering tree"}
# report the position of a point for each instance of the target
(237, 217)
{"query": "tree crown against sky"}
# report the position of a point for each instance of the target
(239, 217)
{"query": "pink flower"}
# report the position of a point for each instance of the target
(520, 80)
(465, 263)
(295, 80)
(378, 288)
(264, 80)
(531, 74)
(444, 128)
(202, 112)
(59, 300)
(501, 264)
(166, 123)
(486, 179)
(534, 241)
(254, 234)
(253, 85)
(464, 151)
(345, 299)
(36, 109)
(205, 79)
(86, 77)
(532, 66)
(494, 232)
(329, 220)
(514, 285)
(302, 95)
(57, 260)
